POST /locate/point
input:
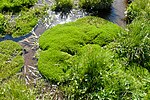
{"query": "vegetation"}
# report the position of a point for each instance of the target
(89, 59)
(26, 18)
(11, 58)
(63, 44)
(24, 23)
(95, 59)
(15, 88)
(63, 6)
(138, 8)
(95, 5)
(15, 5)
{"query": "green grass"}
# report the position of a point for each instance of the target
(63, 6)
(95, 5)
(138, 8)
(11, 58)
(15, 89)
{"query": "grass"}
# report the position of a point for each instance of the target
(138, 8)
(11, 58)
(95, 5)
(15, 88)
(63, 6)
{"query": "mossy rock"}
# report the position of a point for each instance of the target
(62, 43)
(11, 58)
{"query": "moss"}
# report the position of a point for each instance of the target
(22, 24)
(15, 5)
(11, 58)
(63, 42)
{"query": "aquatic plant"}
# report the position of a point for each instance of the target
(95, 5)
(63, 6)
(11, 58)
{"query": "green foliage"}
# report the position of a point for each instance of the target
(15, 89)
(97, 75)
(15, 5)
(63, 5)
(22, 24)
(95, 5)
(138, 8)
(63, 42)
(10, 58)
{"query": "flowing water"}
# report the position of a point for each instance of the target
(30, 44)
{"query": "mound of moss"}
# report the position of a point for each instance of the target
(63, 42)
(11, 58)
(94, 59)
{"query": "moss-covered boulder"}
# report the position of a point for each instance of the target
(62, 43)
(11, 59)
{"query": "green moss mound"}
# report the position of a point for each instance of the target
(11, 58)
(63, 42)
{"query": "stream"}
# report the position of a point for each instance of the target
(30, 44)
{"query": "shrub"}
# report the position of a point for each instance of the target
(10, 58)
(63, 6)
(95, 5)
(63, 42)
